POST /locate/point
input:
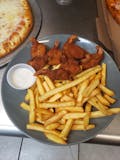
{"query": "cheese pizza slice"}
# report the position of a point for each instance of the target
(16, 22)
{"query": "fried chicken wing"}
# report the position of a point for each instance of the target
(71, 66)
(94, 59)
(37, 49)
(54, 74)
(71, 50)
(38, 62)
(54, 55)
(66, 71)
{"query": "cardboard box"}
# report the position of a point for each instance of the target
(108, 30)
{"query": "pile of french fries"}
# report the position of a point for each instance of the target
(56, 108)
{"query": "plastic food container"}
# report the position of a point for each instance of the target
(21, 76)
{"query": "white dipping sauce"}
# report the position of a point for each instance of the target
(22, 77)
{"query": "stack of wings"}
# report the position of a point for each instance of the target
(63, 63)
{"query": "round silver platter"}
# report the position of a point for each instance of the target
(37, 21)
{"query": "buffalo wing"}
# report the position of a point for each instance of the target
(71, 50)
(93, 59)
(37, 49)
(54, 55)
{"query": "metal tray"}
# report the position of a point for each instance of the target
(37, 21)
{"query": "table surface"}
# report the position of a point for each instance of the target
(77, 18)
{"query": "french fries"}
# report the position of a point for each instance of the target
(55, 97)
(98, 106)
(70, 84)
(103, 100)
(71, 109)
(25, 106)
(46, 87)
(56, 104)
(32, 106)
(82, 89)
(55, 138)
(86, 119)
(106, 90)
(103, 72)
(27, 97)
(82, 127)
(49, 82)
(52, 126)
(110, 99)
(40, 86)
(79, 127)
(67, 128)
(74, 115)
(57, 107)
(98, 114)
(94, 83)
(39, 127)
(55, 118)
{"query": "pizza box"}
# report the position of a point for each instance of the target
(108, 30)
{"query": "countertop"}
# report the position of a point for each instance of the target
(76, 18)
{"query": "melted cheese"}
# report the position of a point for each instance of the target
(11, 13)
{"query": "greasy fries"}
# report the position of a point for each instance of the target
(25, 106)
(46, 87)
(87, 117)
(39, 127)
(52, 126)
(32, 106)
(98, 106)
(82, 89)
(56, 104)
(55, 118)
(98, 114)
(27, 97)
(82, 127)
(94, 83)
(57, 107)
(49, 82)
(55, 138)
(67, 128)
(70, 84)
(40, 86)
(55, 97)
(106, 90)
(74, 115)
(103, 76)
(110, 99)
(71, 109)
(85, 72)
(103, 100)
(43, 111)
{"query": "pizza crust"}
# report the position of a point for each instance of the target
(114, 8)
(21, 30)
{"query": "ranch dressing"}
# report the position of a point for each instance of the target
(22, 77)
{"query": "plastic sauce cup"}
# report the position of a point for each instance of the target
(21, 76)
